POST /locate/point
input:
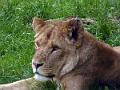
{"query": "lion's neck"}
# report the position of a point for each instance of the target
(102, 50)
(108, 59)
(106, 53)
(99, 57)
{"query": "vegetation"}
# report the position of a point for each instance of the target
(48, 85)
(17, 37)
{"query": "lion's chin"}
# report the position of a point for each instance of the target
(41, 78)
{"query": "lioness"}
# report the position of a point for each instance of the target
(73, 56)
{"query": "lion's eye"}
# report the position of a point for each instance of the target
(55, 48)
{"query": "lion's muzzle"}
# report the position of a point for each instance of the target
(39, 75)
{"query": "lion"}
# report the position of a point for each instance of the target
(73, 56)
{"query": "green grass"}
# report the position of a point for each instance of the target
(17, 37)
(48, 85)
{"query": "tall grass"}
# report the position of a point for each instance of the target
(16, 35)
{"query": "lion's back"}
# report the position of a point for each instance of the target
(117, 49)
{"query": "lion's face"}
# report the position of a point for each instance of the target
(56, 44)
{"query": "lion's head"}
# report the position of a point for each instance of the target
(57, 44)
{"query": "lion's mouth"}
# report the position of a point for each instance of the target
(42, 77)
(47, 76)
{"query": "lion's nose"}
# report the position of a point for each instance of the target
(37, 65)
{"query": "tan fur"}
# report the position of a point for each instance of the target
(19, 85)
(117, 49)
(29, 84)
(77, 60)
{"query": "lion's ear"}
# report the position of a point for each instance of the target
(75, 28)
(37, 24)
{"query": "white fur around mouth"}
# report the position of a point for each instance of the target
(41, 78)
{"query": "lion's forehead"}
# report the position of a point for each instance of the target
(54, 39)
(55, 29)
(59, 25)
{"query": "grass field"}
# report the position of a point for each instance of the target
(17, 37)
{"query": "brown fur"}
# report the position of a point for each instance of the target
(73, 56)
